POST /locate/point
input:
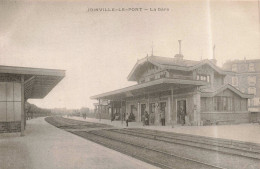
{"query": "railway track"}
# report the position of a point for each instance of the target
(64, 123)
(164, 149)
(219, 145)
(151, 155)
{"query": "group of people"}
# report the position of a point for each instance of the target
(147, 118)
(129, 117)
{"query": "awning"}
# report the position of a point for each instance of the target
(37, 82)
(148, 87)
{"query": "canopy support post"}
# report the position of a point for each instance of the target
(22, 107)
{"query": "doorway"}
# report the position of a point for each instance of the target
(181, 111)
(152, 113)
(162, 110)
(143, 107)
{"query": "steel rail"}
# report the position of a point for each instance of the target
(158, 151)
(150, 161)
(157, 137)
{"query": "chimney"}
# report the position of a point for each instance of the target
(214, 51)
(179, 56)
(179, 46)
(213, 60)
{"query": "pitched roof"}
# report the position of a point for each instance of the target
(211, 93)
(172, 63)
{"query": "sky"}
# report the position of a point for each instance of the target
(99, 49)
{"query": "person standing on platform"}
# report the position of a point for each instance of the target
(146, 118)
(112, 116)
(127, 119)
(182, 116)
(162, 115)
(152, 118)
(143, 119)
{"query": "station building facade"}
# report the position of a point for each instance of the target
(175, 86)
(17, 84)
(245, 76)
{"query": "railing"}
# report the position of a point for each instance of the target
(171, 77)
(181, 77)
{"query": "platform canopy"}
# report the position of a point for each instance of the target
(38, 82)
(158, 85)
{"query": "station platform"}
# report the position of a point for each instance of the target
(47, 147)
(241, 132)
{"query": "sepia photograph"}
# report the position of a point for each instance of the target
(129, 84)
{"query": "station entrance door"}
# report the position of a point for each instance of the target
(143, 107)
(181, 111)
(163, 108)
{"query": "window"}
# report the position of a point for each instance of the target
(252, 90)
(163, 75)
(152, 107)
(256, 101)
(251, 80)
(203, 78)
(234, 67)
(10, 101)
(223, 103)
(208, 78)
(152, 78)
(234, 81)
(225, 108)
(251, 67)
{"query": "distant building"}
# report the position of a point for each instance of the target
(183, 91)
(245, 76)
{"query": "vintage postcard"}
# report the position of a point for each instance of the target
(129, 84)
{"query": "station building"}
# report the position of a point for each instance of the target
(176, 86)
(245, 76)
(17, 84)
